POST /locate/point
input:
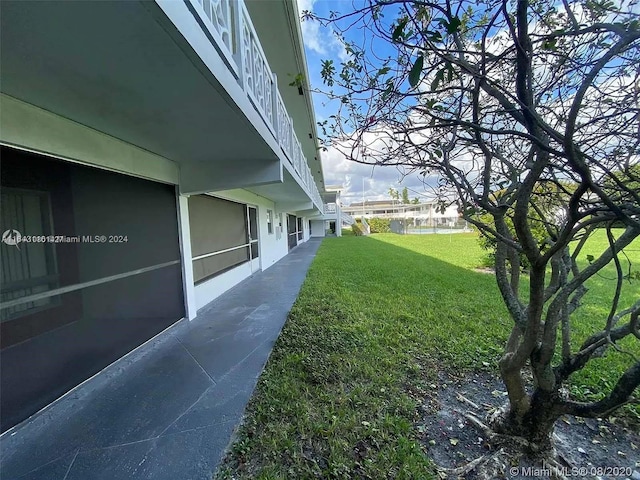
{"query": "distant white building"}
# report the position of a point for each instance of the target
(416, 215)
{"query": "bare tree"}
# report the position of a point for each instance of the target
(526, 113)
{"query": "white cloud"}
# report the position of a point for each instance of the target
(317, 38)
(311, 30)
(374, 181)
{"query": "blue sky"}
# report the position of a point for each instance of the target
(362, 181)
(321, 44)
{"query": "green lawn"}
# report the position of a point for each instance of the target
(601, 372)
(376, 318)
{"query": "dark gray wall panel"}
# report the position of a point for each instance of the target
(48, 350)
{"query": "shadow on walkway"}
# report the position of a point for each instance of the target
(167, 410)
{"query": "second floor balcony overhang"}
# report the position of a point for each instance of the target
(172, 78)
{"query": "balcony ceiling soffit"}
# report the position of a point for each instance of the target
(112, 67)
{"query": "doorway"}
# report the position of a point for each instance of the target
(252, 234)
(292, 233)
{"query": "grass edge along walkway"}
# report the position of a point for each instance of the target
(374, 322)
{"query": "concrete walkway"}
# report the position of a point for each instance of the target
(168, 410)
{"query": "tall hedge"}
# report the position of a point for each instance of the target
(380, 225)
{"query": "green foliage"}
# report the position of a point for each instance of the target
(405, 196)
(357, 229)
(452, 26)
(398, 30)
(379, 225)
(621, 184)
(437, 79)
(416, 71)
(298, 80)
(327, 72)
(489, 243)
(547, 199)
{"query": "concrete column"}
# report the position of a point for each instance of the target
(187, 264)
(338, 220)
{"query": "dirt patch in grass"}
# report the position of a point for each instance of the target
(487, 270)
(593, 448)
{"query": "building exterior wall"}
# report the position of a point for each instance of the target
(318, 228)
(95, 155)
(272, 248)
(56, 136)
(216, 286)
(27, 127)
(426, 214)
(30, 129)
(191, 307)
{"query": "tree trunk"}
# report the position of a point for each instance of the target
(535, 423)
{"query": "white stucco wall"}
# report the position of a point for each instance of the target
(208, 291)
(27, 127)
(317, 228)
(191, 308)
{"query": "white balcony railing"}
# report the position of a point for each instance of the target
(347, 219)
(285, 130)
(259, 80)
(219, 24)
(230, 26)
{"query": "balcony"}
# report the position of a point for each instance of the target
(330, 208)
(330, 213)
(230, 25)
(188, 81)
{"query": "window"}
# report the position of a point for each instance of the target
(70, 307)
(28, 268)
(270, 221)
(219, 235)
